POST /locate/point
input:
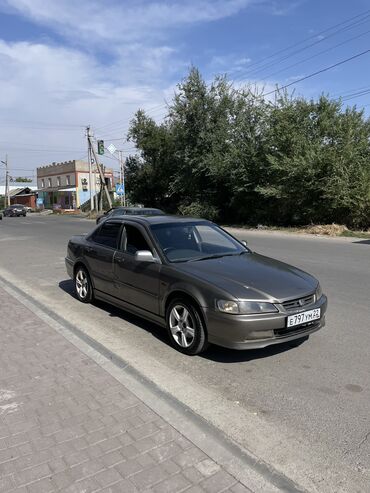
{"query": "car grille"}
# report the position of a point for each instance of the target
(296, 330)
(294, 305)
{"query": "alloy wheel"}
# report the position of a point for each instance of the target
(182, 326)
(82, 284)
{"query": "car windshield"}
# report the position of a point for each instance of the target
(193, 241)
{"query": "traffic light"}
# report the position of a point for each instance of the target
(100, 147)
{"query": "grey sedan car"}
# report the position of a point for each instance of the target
(197, 280)
(133, 211)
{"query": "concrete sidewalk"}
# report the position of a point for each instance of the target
(66, 424)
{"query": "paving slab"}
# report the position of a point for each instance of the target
(66, 424)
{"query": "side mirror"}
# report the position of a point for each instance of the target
(144, 256)
(245, 243)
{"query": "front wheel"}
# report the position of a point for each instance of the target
(83, 286)
(186, 328)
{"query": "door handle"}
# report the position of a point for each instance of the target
(120, 260)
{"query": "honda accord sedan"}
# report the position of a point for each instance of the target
(196, 280)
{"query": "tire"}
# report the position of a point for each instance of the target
(190, 337)
(83, 287)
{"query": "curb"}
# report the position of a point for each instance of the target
(240, 463)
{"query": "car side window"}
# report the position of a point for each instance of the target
(108, 234)
(134, 240)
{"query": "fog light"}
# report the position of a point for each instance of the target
(261, 334)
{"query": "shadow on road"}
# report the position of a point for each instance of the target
(68, 287)
(362, 242)
(214, 353)
(157, 331)
(224, 355)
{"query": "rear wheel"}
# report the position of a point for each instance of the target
(185, 327)
(83, 286)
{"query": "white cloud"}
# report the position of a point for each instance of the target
(63, 88)
(66, 87)
(106, 21)
(230, 63)
(281, 8)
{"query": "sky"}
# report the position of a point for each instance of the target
(65, 64)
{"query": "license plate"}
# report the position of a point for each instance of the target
(303, 317)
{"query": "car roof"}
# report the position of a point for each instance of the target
(164, 219)
(124, 208)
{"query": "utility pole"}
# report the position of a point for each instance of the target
(101, 174)
(89, 157)
(122, 178)
(7, 191)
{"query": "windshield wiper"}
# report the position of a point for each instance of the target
(214, 256)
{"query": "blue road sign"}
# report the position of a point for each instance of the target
(40, 201)
(120, 189)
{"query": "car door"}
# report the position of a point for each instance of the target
(136, 282)
(99, 253)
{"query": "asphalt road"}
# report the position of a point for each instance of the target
(305, 410)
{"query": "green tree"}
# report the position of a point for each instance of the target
(230, 155)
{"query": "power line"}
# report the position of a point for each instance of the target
(355, 95)
(25, 149)
(325, 69)
(125, 121)
(40, 126)
(317, 54)
(349, 91)
(365, 16)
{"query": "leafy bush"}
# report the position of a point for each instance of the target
(196, 209)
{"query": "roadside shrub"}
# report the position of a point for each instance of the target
(326, 229)
(196, 209)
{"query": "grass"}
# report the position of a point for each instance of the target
(333, 230)
(356, 234)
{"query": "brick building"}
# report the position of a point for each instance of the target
(25, 196)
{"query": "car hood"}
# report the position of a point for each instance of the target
(253, 276)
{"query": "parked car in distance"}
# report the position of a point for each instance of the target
(15, 210)
(197, 280)
(122, 211)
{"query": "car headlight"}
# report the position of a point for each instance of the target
(228, 306)
(245, 307)
(318, 292)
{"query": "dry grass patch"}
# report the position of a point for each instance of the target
(326, 229)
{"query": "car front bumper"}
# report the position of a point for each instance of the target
(259, 331)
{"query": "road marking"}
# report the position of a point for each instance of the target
(15, 238)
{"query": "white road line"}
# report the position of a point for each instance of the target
(15, 238)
